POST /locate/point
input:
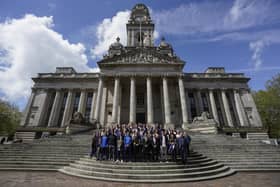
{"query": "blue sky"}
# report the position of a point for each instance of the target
(36, 36)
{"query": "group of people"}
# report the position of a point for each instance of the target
(140, 143)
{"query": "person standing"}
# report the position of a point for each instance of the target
(119, 147)
(94, 144)
(172, 147)
(163, 146)
(103, 146)
(181, 147)
(112, 141)
(127, 147)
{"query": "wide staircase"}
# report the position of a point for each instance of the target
(48, 154)
(237, 153)
(198, 168)
(212, 156)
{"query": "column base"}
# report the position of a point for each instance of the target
(169, 126)
(151, 125)
(186, 126)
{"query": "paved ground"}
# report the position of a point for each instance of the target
(56, 179)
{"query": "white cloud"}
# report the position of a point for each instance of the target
(257, 47)
(258, 41)
(208, 17)
(251, 13)
(107, 32)
(240, 20)
(28, 46)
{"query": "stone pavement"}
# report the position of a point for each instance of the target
(56, 179)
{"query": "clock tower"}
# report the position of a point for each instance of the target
(140, 28)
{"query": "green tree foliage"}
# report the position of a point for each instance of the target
(9, 118)
(268, 104)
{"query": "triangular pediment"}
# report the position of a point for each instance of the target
(141, 56)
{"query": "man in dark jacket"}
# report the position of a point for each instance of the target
(112, 141)
(185, 149)
(94, 145)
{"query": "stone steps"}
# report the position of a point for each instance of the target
(25, 136)
(198, 167)
(143, 170)
(147, 166)
(48, 154)
(164, 180)
(240, 154)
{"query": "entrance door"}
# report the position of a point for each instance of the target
(140, 118)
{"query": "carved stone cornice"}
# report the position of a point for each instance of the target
(141, 56)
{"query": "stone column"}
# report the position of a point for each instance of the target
(199, 102)
(183, 101)
(55, 109)
(132, 38)
(93, 103)
(227, 109)
(239, 108)
(82, 102)
(213, 106)
(132, 104)
(68, 107)
(150, 109)
(166, 101)
(98, 99)
(27, 110)
(188, 106)
(116, 100)
(253, 116)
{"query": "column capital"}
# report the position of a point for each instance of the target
(236, 90)
(181, 75)
(197, 89)
(70, 89)
(58, 89)
(33, 89)
(211, 89)
(223, 89)
(83, 89)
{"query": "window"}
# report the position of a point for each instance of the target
(88, 106)
(76, 102)
(140, 99)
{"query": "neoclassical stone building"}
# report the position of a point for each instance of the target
(141, 83)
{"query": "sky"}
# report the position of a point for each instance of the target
(36, 36)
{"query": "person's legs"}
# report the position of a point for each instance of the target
(163, 155)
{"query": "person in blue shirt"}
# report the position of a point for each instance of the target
(103, 146)
(127, 147)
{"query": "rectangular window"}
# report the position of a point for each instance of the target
(88, 106)
(140, 99)
(76, 102)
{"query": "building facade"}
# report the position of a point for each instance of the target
(141, 83)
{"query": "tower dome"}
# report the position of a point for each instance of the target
(116, 44)
(140, 12)
(165, 48)
(116, 48)
(164, 44)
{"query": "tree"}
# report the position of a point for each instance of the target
(9, 118)
(268, 104)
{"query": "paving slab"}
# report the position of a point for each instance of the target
(56, 179)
